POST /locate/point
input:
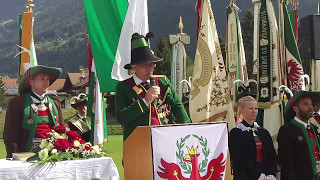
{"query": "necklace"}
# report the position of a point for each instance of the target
(41, 106)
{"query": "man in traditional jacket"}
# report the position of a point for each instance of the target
(140, 104)
(298, 139)
(79, 122)
(32, 114)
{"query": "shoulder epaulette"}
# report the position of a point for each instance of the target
(161, 76)
(73, 119)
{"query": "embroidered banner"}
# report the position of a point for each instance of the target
(209, 96)
(264, 64)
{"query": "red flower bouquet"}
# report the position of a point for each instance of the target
(64, 144)
(60, 129)
(61, 144)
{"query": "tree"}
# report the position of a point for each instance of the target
(83, 70)
(247, 36)
(189, 68)
(163, 51)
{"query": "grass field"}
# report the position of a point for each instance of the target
(113, 148)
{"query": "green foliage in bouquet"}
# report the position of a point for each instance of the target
(61, 145)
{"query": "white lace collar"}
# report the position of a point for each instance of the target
(245, 128)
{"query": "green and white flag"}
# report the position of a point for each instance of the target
(293, 15)
(96, 111)
(104, 21)
(136, 21)
(110, 25)
(96, 106)
(292, 56)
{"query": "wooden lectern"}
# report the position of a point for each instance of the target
(138, 154)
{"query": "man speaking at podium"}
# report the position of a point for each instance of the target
(146, 99)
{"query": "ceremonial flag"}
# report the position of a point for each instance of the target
(110, 25)
(256, 7)
(293, 14)
(283, 68)
(236, 61)
(27, 52)
(292, 56)
(104, 22)
(96, 107)
(269, 77)
(209, 96)
(136, 21)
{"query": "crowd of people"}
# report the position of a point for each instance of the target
(139, 102)
(146, 99)
(252, 152)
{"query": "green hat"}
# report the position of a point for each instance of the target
(24, 85)
(140, 51)
(288, 110)
(76, 100)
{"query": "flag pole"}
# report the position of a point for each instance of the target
(30, 6)
(181, 26)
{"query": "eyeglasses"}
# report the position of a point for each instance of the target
(145, 66)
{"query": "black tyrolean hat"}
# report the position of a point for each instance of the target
(140, 51)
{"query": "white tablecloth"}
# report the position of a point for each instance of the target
(102, 168)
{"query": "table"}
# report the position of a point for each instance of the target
(102, 168)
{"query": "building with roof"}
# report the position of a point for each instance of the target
(11, 90)
(62, 89)
(76, 83)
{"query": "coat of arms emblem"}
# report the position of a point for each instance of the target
(188, 162)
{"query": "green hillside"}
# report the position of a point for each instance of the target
(60, 28)
(59, 34)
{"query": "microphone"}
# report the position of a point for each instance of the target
(153, 83)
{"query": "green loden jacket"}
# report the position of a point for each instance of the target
(131, 110)
(19, 128)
